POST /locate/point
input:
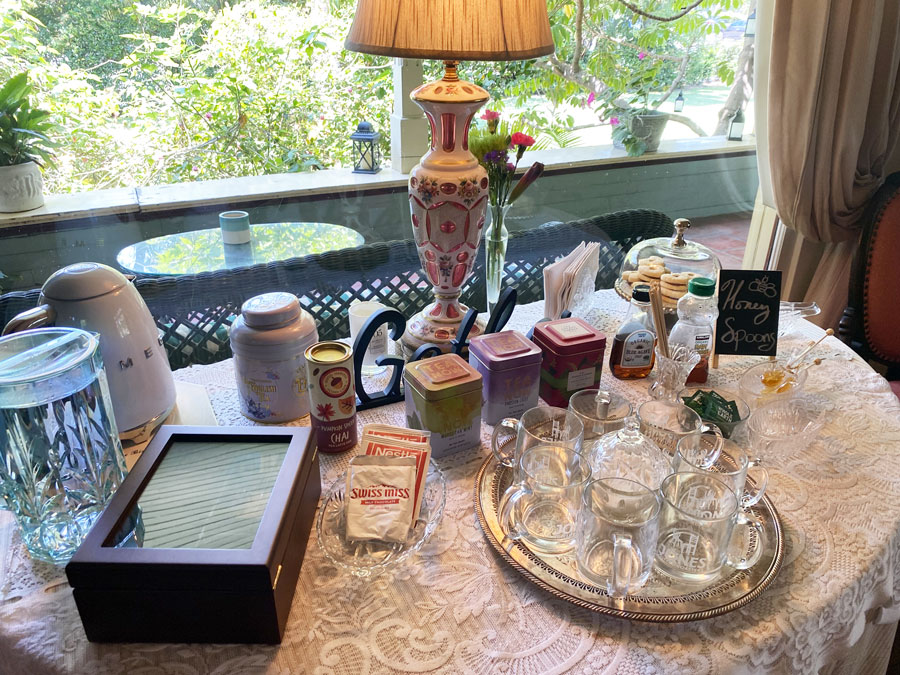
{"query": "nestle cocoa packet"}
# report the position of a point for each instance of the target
(382, 440)
(379, 498)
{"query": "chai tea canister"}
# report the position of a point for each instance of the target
(443, 396)
(332, 395)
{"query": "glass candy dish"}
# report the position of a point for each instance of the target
(677, 254)
(789, 313)
(785, 426)
(627, 453)
(370, 558)
(770, 381)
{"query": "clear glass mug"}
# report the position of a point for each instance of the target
(541, 508)
(616, 537)
(732, 466)
(600, 412)
(60, 460)
(544, 425)
(697, 522)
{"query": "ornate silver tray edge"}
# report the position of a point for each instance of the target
(486, 472)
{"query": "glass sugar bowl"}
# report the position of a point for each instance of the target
(676, 257)
(627, 453)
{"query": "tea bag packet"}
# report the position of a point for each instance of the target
(379, 498)
(397, 433)
(380, 440)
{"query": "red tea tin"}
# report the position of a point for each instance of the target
(332, 395)
(573, 358)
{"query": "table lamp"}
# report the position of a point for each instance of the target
(448, 189)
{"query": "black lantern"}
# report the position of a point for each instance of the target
(679, 101)
(366, 151)
(736, 128)
(750, 29)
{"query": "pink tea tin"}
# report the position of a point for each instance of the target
(573, 358)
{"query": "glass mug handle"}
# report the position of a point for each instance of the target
(626, 564)
(760, 476)
(507, 509)
(510, 425)
(736, 558)
(718, 444)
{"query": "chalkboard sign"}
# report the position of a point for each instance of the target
(748, 312)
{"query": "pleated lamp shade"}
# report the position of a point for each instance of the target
(458, 30)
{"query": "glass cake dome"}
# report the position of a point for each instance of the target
(669, 261)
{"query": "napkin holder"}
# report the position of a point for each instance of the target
(140, 578)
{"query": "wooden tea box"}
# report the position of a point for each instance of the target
(203, 541)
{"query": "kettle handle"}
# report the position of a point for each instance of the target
(41, 315)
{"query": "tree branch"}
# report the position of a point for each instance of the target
(688, 122)
(657, 17)
(577, 51)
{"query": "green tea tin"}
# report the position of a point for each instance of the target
(443, 396)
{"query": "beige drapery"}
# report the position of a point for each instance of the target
(833, 118)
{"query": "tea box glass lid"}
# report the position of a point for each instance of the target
(648, 260)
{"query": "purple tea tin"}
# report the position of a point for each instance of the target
(510, 365)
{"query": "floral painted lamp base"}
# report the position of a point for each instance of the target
(448, 196)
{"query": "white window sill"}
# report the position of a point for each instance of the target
(233, 191)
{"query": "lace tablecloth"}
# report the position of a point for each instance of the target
(457, 607)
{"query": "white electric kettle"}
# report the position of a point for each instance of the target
(97, 298)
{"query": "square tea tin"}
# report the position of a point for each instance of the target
(510, 365)
(204, 540)
(573, 358)
(443, 396)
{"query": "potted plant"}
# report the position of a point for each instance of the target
(25, 147)
(637, 125)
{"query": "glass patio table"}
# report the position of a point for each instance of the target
(204, 251)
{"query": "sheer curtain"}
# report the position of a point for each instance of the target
(830, 98)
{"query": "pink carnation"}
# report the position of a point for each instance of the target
(490, 115)
(521, 140)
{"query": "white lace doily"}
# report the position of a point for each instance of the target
(457, 608)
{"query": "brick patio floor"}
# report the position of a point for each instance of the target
(726, 235)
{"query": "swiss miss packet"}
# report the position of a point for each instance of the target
(379, 498)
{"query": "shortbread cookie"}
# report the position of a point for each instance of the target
(652, 260)
(672, 295)
(677, 279)
(634, 277)
(652, 271)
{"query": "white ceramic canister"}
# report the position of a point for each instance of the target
(268, 340)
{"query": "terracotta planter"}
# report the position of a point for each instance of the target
(21, 187)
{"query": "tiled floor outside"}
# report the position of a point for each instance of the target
(726, 235)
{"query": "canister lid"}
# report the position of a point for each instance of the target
(507, 349)
(45, 364)
(270, 310)
(567, 336)
(442, 376)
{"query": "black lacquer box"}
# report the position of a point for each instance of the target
(203, 541)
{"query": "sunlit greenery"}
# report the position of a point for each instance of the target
(163, 91)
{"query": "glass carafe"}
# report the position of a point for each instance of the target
(60, 455)
(627, 453)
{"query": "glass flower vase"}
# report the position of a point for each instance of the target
(496, 237)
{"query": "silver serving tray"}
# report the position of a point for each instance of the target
(662, 600)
